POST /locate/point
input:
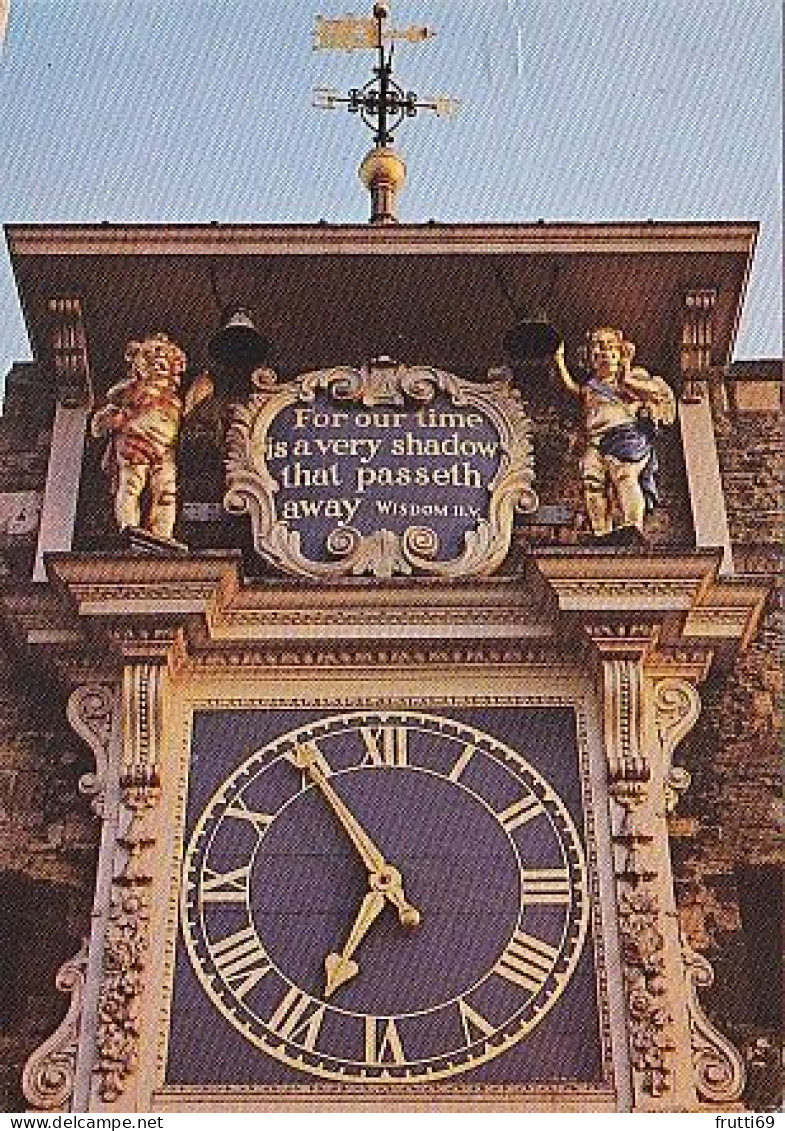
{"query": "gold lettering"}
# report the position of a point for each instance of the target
(527, 961)
(467, 754)
(520, 812)
(241, 812)
(241, 960)
(385, 746)
(546, 885)
(382, 1042)
(474, 1024)
(298, 1018)
(225, 887)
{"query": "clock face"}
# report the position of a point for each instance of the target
(393, 895)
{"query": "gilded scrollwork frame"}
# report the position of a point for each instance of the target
(251, 488)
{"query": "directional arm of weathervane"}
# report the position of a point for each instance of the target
(414, 34)
(443, 106)
(326, 99)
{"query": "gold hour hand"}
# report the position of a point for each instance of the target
(383, 878)
(341, 968)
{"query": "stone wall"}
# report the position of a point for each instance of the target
(729, 832)
(48, 834)
(48, 845)
(25, 436)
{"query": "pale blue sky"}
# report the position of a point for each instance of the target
(193, 110)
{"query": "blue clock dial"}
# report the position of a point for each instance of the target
(391, 895)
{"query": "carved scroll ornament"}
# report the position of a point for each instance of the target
(676, 707)
(719, 1069)
(90, 713)
(48, 1076)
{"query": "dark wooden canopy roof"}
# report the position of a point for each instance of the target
(432, 293)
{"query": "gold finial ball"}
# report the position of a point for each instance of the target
(382, 167)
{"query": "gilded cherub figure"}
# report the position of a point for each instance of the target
(623, 407)
(142, 419)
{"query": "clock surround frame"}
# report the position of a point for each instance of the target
(638, 634)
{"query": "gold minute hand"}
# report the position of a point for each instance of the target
(306, 757)
(388, 879)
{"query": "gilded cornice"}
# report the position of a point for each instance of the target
(102, 609)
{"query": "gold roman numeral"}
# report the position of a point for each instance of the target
(521, 811)
(546, 885)
(298, 1018)
(241, 812)
(474, 1024)
(466, 756)
(241, 960)
(527, 961)
(225, 887)
(382, 1042)
(385, 746)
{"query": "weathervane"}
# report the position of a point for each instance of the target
(382, 104)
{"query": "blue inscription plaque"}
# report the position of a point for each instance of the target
(382, 470)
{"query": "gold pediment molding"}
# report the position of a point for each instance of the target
(102, 609)
(691, 611)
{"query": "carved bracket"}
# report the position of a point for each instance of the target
(637, 883)
(697, 342)
(90, 713)
(677, 706)
(628, 766)
(69, 352)
(719, 1068)
(48, 1076)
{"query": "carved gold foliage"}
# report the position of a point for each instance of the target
(719, 1067)
(127, 937)
(48, 1076)
(651, 1041)
(126, 947)
(643, 958)
(383, 553)
(642, 947)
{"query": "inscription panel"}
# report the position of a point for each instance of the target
(383, 470)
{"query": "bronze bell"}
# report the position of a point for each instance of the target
(238, 345)
(533, 339)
